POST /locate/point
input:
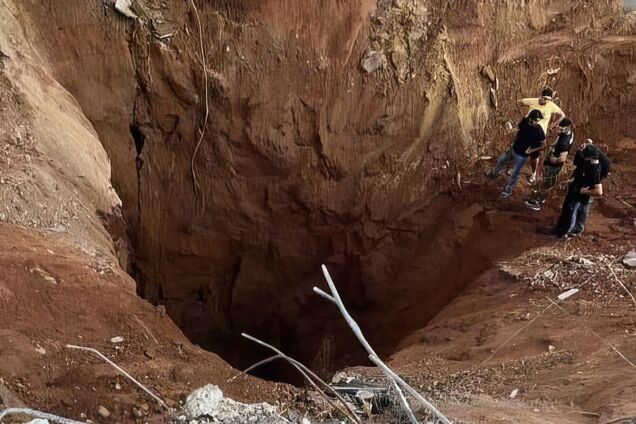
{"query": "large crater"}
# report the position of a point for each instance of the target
(308, 158)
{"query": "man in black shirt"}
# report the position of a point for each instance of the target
(586, 183)
(553, 164)
(530, 139)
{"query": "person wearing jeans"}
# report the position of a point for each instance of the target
(586, 183)
(530, 138)
(519, 161)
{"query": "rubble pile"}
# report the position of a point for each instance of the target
(562, 268)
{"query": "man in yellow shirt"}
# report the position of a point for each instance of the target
(549, 110)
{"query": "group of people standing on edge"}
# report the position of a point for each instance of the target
(591, 164)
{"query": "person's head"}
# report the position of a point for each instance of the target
(565, 125)
(535, 116)
(587, 142)
(547, 93)
(590, 152)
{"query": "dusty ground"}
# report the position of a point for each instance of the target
(503, 333)
(53, 293)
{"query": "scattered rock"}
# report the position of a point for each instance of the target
(207, 405)
(630, 259)
(203, 401)
(493, 98)
(103, 412)
(551, 348)
(373, 60)
(39, 349)
(487, 72)
(150, 352)
(548, 274)
(45, 275)
(161, 310)
(125, 8)
(514, 393)
(117, 339)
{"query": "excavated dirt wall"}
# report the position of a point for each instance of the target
(307, 157)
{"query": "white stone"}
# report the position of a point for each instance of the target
(514, 393)
(123, 6)
(630, 259)
(203, 401)
(209, 404)
(117, 339)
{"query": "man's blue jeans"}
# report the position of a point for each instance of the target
(502, 161)
(514, 177)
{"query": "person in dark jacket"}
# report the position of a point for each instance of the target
(585, 184)
(530, 138)
(553, 164)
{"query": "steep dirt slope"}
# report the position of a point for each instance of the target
(61, 278)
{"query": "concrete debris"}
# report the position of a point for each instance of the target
(207, 405)
(373, 61)
(514, 393)
(553, 71)
(361, 394)
(125, 8)
(567, 294)
(581, 260)
(117, 339)
(630, 259)
(39, 349)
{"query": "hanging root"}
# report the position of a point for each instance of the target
(197, 188)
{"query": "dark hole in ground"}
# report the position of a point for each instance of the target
(444, 260)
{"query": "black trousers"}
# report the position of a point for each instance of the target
(574, 214)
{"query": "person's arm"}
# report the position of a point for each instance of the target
(557, 115)
(528, 101)
(595, 190)
(530, 150)
(560, 159)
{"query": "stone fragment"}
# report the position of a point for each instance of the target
(117, 339)
(630, 259)
(373, 61)
(103, 411)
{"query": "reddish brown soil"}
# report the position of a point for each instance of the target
(306, 159)
(90, 302)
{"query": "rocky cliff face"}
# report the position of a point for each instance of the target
(251, 141)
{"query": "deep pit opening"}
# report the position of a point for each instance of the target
(320, 338)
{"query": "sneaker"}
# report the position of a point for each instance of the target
(491, 176)
(533, 204)
(575, 233)
(505, 195)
